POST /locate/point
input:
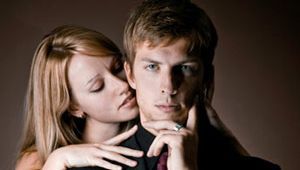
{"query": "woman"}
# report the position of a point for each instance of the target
(77, 93)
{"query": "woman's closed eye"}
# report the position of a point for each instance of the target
(97, 88)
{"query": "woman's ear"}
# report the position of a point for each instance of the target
(129, 75)
(76, 111)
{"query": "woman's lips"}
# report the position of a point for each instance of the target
(128, 102)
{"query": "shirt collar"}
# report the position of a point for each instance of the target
(144, 138)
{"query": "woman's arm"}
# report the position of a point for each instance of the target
(81, 155)
(29, 161)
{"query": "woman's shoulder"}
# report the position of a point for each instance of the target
(29, 161)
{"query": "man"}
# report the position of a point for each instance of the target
(170, 48)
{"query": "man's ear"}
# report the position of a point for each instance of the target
(129, 75)
(76, 111)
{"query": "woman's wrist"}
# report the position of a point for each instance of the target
(56, 160)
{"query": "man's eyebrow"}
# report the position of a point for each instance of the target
(186, 60)
(148, 60)
(92, 79)
(189, 60)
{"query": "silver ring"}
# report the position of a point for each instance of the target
(177, 127)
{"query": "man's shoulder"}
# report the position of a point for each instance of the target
(245, 163)
(255, 163)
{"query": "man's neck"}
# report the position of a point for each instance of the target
(98, 132)
(144, 119)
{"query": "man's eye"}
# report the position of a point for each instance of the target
(187, 69)
(152, 67)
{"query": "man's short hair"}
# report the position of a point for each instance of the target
(165, 21)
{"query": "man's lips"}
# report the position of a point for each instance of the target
(167, 108)
(129, 101)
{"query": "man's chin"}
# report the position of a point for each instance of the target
(169, 117)
(177, 116)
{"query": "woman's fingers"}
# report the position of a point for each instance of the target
(122, 150)
(104, 164)
(218, 124)
(121, 137)
(116, 157)
(81, 155)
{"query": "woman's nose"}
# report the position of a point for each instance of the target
(120, 85)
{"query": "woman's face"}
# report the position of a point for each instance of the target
(100, 90)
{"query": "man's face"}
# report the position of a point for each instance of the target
(166, 80)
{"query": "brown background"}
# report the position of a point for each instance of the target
(257, 66)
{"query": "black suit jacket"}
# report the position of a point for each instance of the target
(141, 140)
(215, 151)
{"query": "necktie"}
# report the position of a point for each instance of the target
(162, 162)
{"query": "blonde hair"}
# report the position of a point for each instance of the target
(48, 125)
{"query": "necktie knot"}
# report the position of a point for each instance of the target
(162, 162)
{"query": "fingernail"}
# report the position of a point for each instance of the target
(133, 163)
(141, 153)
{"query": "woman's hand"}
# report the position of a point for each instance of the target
(81, 155)
(182, 144)
(216, 122)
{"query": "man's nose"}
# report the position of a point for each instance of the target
(168, 83)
